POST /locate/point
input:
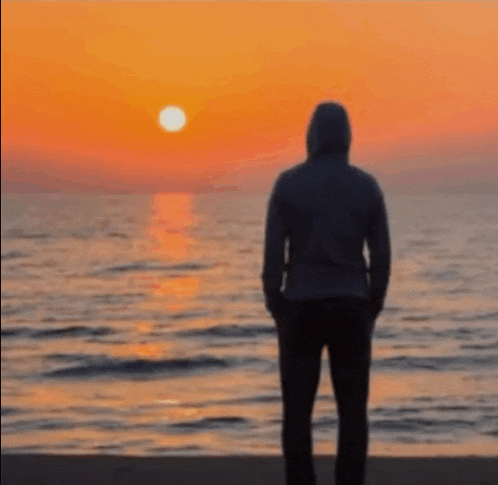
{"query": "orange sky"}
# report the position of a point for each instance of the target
(83, 83)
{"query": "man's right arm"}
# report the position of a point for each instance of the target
(379, 248)
(274, 253)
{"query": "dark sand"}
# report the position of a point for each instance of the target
(28, 469)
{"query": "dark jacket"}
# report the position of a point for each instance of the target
(320, 214)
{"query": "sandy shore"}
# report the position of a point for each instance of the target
(26, 469)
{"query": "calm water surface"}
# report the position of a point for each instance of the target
(136, 325)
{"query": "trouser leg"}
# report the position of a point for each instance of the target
(350, 355)
(351, 391)
(299, 376)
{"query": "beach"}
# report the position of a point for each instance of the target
(26, 469)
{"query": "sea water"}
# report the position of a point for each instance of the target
(135, 324)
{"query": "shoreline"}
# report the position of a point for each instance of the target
(26, 469)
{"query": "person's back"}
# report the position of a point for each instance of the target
(324, 211)
(327, 210)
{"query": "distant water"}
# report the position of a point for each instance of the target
(136, 325)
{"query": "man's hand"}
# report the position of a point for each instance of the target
(375, 308)
(275, 302)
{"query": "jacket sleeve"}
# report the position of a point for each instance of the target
(274, 252)
(379, 248)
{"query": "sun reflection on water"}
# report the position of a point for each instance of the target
(178, 287)
(170, 219)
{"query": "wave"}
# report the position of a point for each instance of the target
(392, 411)
(113, 298)
(189, 315)
(70, 358)
(447, 275)
(114, 367)
(154, 266)
(258, 399)
(261, 399)
(416, 318)
(325, 422)
(230, 331)
(27, 425)
(386, 333)
(14, 254)
(10, 411)
(419, 425)
(493, 345)
(212, 423)
(49, 424)
(9, 310)
(470, 317)
(446, 363)
(65, 332)
(492, 316)
(460, 333)
(392, 309)
(20, 234)
(172, 449)
(91, 410)
(14, 332)
(74, 331)
(444, 408)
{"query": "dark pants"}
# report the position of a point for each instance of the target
(345, 326)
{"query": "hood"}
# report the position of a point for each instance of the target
(329, 132)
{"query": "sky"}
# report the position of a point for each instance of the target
(83, 83)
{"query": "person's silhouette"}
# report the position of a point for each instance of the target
(321, 292)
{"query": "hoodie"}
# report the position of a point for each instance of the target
(321, 213)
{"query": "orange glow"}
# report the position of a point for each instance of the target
(178, 287)
(171, 216)
(83, 83)
(49, 395)
(142, 349)
(145, 327)
(146, 350)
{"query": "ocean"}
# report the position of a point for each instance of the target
(135, 325)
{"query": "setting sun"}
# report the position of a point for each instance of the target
(172, 118)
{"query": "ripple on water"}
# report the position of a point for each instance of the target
(14, 254)
(153, 266)
(437, 363)
(103, 366)
(230, 331)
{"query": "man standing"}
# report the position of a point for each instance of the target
(321, 292)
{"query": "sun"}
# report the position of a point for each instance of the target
(172, 118)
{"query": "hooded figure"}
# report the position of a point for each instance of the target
(321, 292)
(320, 214)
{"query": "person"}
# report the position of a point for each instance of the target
(321, 292)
